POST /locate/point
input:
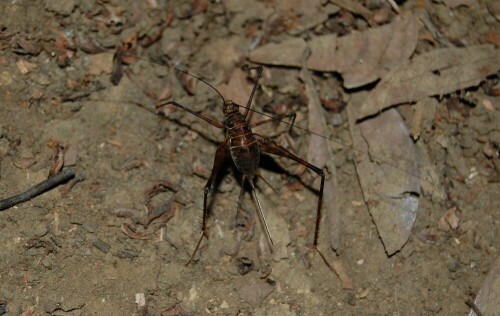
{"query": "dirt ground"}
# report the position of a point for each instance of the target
(87, 251)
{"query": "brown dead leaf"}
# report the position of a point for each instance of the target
(356, 8)
(29, 312)
(390, 186)
(320, 154)
(57, 158)
(429, 176)
(303, 15)
(25, 44)
(361, 57)
(132, 234)
(124, 55)
(64, 49)
(87, 43)
(339, 268)
(286, 53)
(438, 72)
(491, 37)
(189, 83)
(449, 220)
(166, 209)
(364, 57)
(25, 66)
(487, 299)
(23, 162)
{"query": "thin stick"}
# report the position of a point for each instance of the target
(38, 189)
(394, 6)
(474, 307)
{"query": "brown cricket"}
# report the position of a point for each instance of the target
(245, 147)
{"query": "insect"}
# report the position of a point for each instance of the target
(244, 147)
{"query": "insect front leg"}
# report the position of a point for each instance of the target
(259, 75)
(221, 156)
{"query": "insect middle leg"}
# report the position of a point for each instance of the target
(279, 118)
(221, 156)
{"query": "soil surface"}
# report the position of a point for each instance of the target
(113, 245)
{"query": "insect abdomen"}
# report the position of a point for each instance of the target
(242, 144)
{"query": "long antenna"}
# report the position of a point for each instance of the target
(184, 72)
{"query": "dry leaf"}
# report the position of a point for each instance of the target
(124, 55)
(361, 57)
(339, 268)
(57, 159)
(356, 8)
(286, 53)
(449, 220)
(320, 154)
(132, 234)
(364, 57)
(23, 162)
(487, 299)
(390, 189)
(438, 72)
(306, 14)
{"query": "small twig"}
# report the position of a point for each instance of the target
(394, 6)
(474, 307)
(38, 189)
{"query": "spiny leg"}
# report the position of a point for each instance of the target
(271, 147)
(249, 103)
(221, 155)
(261, 214)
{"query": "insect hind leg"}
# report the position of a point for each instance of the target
(271, 147)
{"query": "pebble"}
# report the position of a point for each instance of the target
(102, 245)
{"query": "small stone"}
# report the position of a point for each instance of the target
(351, 299)
(245, 265)
(48, 261)
(102, 245)
(90, 227)
(126, 254)
(454, 266)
